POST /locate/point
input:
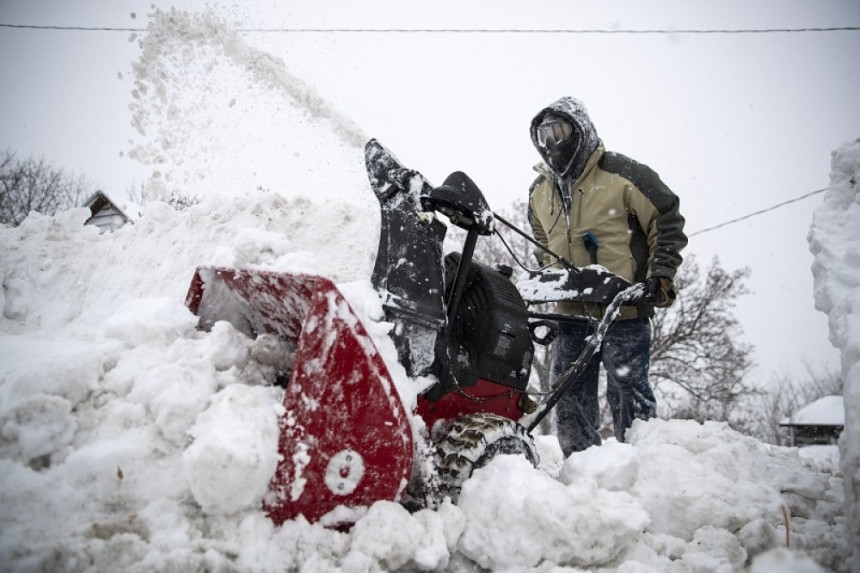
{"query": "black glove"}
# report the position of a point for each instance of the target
(660, 291)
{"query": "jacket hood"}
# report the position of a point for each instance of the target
(574, 111)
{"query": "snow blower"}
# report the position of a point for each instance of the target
(346, 440)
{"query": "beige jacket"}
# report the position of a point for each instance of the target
(633, 215)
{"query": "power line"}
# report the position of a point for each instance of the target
(760, 212)
(71, 28)
(548, 30)
(502, 31)
(463, 30)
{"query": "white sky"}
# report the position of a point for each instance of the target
(734, 123)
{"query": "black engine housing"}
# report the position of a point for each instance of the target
(489, 334)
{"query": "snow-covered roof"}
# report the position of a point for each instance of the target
(106, 213)
(121, 206)
(827, 411)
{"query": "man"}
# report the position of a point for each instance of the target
(593, 206)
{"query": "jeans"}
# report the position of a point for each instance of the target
(626, 356)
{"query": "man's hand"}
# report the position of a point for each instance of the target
(660, 291)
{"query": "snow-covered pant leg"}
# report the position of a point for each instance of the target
(577, 412)
(626, 358)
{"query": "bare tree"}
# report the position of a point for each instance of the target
(699, 365)
(35, 185)
(140, 194)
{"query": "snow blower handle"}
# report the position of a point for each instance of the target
(572, 375)
(565, 263)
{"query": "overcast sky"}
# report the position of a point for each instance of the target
(734, 123)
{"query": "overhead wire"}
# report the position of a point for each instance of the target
(755, 213)
(503, 31)
(71, 28)
(548, 30)
(650, 31)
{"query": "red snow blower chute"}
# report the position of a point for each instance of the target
(346, 440)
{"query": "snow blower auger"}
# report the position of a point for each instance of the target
(346, 440)
(345, 437)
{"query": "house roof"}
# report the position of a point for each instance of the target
(827, 411)
(99, 200)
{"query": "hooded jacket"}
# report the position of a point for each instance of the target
(633, 215)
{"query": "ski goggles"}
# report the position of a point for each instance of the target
(553, 133)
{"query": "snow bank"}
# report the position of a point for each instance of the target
(156, 257)
(130, 440)
(834, 239)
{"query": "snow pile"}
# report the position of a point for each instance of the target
(131, 441)
(517, 517)
(264, 230)
(834, 239)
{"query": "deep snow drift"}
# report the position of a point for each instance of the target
(129, 440)
(128, 437)
(834, 239)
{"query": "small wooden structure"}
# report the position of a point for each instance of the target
(818, 423)
(106, 215)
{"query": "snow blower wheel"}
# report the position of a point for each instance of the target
(472, 442)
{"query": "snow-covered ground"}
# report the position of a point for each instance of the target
(131, 441)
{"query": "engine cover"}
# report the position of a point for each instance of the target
(490, 331)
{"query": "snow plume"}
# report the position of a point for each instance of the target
(210, 108)
(834, 239)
